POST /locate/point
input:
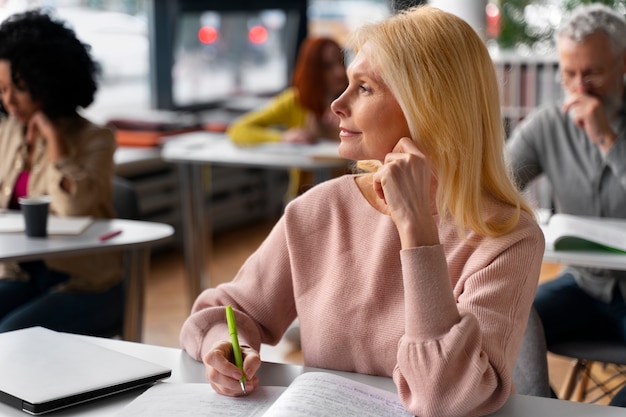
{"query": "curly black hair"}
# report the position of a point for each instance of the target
(49, 60)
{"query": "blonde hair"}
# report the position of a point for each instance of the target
(442, 76)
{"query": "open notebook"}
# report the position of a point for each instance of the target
(42, 370)
(13, 221)
(309, 394)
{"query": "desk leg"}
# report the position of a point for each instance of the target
(137, 267)
(196, 230)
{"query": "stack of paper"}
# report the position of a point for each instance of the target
(13, 222)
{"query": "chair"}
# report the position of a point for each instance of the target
(126, 206)
(586, 353)
(125, 199)
(531, 367)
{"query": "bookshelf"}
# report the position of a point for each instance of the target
(527, 82)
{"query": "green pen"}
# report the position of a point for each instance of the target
(232, 329)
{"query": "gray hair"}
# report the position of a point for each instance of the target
(586, 20)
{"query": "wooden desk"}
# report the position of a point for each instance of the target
(185, 369)
(136, 239)
(195, 150)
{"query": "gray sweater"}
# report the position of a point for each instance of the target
(584, 180)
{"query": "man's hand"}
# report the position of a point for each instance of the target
(589, 114)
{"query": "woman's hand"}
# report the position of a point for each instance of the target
(405, 185)
(223, 374)
(40, 125)
(298, 135)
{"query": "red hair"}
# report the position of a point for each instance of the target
(308, 75)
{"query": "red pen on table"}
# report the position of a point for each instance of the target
(109, 235)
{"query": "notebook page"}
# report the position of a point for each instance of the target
(198, 399)
(314, 394)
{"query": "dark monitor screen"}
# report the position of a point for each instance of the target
(221, 54)
(205, 53)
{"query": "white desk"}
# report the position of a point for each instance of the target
(135, 240)
(185, 369)
(132, 160)
(192, 151)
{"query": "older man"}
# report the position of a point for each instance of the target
(580, 146)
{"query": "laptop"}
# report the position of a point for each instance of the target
(42, 370)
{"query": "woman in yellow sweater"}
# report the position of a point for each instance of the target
(301, 113)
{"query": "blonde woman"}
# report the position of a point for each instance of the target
(423, 268)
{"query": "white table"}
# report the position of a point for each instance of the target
(195, 150)
(136, 239)
(133, 160)
(185, 369)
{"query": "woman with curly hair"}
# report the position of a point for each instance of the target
(47, 148)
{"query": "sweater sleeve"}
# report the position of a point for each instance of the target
(457, 355)
(522, 153)
(267, 124)
(89, 168)
(616, 159)
(262, 289)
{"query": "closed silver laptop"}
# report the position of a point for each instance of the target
(42, 370)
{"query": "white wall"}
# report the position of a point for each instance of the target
(472, 11)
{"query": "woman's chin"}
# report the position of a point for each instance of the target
(344, 151)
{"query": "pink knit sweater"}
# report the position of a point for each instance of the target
(444, 321)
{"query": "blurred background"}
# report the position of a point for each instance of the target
(215, 52)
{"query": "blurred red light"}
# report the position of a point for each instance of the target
(257, 34)
(492, 10)
(493, 20)
(207, 35)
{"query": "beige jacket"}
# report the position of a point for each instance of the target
(89, 166)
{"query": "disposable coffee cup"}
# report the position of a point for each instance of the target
(35, 211)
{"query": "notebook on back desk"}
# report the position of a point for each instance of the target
(42, 370)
